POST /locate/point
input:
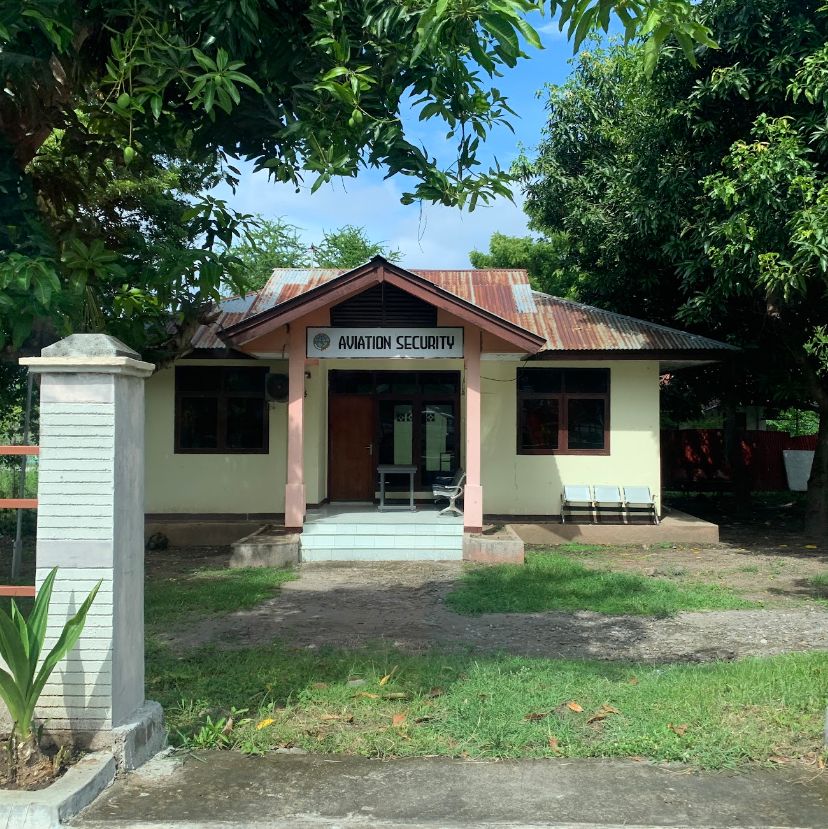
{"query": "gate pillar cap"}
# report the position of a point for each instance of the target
(89, 353)
(89, 345)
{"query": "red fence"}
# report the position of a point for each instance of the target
(696, 458)
(18, 503)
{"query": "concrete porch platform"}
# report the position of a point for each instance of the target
(675, 528)
(359, 532)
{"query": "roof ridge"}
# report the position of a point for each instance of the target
(636, 320)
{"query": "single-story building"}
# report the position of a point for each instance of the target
(295, 395)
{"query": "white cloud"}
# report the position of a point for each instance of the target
(551, 30)
(428, 236)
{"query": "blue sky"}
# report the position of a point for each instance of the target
(428, 236)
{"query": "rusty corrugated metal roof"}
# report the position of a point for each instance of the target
(566, 325)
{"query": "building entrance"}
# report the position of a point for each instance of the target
(391, 417)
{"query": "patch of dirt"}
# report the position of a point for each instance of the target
(37, 766)
(180, 561)
(402, 603)
(764, 558)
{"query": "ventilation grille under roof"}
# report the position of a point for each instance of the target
(384, 305)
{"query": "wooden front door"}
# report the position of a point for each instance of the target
(351, 460)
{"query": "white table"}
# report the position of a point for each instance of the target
(396, 469)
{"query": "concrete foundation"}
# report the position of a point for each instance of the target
(269, 546)
(502, 547)
(675, 528)
(141, 738)
(200, 532)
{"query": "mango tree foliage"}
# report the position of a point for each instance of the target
(698, 195)
(305, 89)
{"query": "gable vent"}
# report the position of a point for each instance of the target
(384, 305)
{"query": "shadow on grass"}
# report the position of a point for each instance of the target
(382, 702)
(815, 587)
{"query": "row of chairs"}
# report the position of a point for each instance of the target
(581, 499)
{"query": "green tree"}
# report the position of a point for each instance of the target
(312, 88)
(269, 244)
(697, 194)
(546, 260)
(348, 247)
(137, 258)
(276, 243)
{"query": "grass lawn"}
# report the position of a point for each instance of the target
(820, 581)
(383, 703)
(207, 591)
(553, 581)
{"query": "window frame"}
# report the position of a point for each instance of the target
(563, 397)
(222, 396)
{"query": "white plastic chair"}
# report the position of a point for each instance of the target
(452, 491)
(576, 498)
(609, 499)
(640, 499)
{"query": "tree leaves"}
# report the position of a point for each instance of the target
(314, 95)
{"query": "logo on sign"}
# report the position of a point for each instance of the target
(321, 341)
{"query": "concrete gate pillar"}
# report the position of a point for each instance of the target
(90, 525)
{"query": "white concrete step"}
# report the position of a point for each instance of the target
(346, 540)
(324, 529)
(381, 554)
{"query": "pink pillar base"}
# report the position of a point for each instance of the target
(472, 508)
(294, 506)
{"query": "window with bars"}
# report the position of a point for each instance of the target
(563, 411)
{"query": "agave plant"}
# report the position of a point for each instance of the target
(21, 643)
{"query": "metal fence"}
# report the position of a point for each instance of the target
(19, 503)
(697, 459)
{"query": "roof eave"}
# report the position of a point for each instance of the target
(685, 356)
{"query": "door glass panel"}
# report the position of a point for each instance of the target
(440, 382)
(438, 442)
(397, 382)
(396, 432)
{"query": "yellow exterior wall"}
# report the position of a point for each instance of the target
(207, 483)
(532, 484)
(512, 484)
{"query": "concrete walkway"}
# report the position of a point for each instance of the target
(223, 790)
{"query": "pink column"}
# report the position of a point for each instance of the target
(473, 494)
(295, 486)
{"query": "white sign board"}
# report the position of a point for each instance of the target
(350, 343)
